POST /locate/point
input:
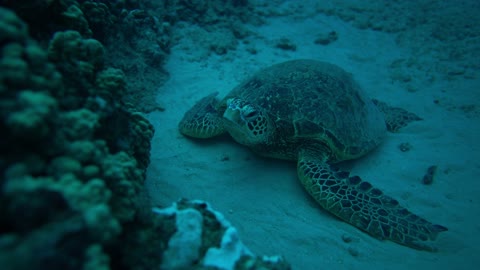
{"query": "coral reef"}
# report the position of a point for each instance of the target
(75, 146)
(137, 35)
(142, 35)
(67, 180)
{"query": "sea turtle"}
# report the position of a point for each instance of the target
(316, 114)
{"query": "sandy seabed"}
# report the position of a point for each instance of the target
(263, 198)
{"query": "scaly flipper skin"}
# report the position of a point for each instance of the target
(360, 204)
(203, 121)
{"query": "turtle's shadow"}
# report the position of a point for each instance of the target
(221, 139)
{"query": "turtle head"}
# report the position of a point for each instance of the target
(247, 123)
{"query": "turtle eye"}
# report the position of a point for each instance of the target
(251, 114)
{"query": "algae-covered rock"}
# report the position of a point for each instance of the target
(22, 63)
(14, 68)
(101, 223)
(141, 134)
(79, 124)
(203, 238)
(11, 27)
(125, 180)
(84, 151)
(74, 19)
(25, 65)
(70, 45)
(184, 246)
(96, 258)
(77, 58)
(61, 165)
(46, 197)
(99, 17)
(58, 245)
(32, 118)
(111, 83)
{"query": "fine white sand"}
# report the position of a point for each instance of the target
(263, 198)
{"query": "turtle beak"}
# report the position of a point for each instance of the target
(232, 113)
(234, 122)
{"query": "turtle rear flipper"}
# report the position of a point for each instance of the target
(203, 119)
(395, 118)
(367, 208)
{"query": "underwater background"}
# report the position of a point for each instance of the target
(91, 94)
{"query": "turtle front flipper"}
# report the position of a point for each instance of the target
(395, 118)
(360, 204)
(203, 119)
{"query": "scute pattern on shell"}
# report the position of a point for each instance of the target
(313, 100)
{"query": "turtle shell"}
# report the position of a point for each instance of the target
(314, 104)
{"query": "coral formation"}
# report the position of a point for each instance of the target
(64, 179)
(75, 146)
(211, 240)
(146, 29)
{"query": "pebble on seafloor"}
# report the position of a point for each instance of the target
(404, 147)
(428, 177)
